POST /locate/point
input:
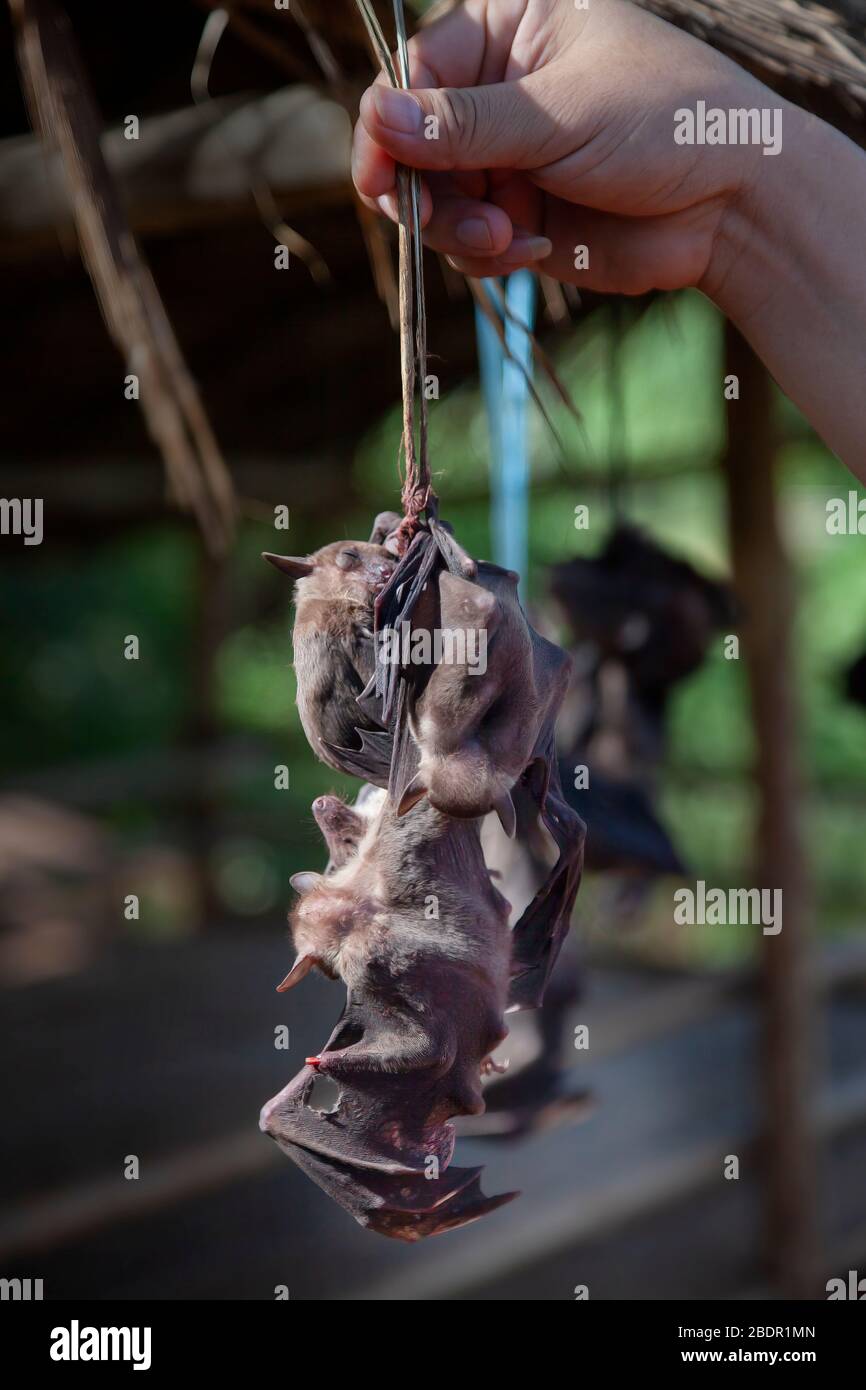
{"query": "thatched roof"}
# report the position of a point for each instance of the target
(817, 47)
(288, 368)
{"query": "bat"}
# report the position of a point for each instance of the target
(473, 742)
(413, 925)
(626, 833)
(855, 681)
(334, 656)
(653, 612)
(476, 724)
(406, 914)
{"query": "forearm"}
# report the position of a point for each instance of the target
(790, 272)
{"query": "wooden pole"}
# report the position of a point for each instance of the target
(764, 584)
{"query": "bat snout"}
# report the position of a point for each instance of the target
(380, 574)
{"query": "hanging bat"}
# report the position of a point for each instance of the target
(417, 931)
(650, 610)
(334, 654)
(475, 742)
(476, 725)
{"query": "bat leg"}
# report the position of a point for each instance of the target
(432, 1053)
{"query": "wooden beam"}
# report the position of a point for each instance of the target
(762, 579)
(190, 168)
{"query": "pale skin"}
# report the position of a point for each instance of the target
(555, 128)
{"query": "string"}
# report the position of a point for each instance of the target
(417, 482)
(417, 493)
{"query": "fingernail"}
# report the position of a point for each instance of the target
(397, 110)
(475, 234)
(388, 204)
(528, 248)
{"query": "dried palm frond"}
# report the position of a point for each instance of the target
(216, 25)
(823, 45)
(64, 112)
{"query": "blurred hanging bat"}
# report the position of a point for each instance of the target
(334, 654)
(413, 925)
(855, 681)
(536, 1089)
(650, 610)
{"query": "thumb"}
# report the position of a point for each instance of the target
(502, 126)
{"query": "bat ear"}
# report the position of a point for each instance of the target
(304, 882)
(411, 796)
(504, 809)
(301, 968)
(384, 526)
(289, 564)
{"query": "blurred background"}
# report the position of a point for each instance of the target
(148, 832)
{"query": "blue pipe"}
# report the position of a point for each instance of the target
(505, 389)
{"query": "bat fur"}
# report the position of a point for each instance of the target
(334, 654)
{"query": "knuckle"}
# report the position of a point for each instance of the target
(459, 117)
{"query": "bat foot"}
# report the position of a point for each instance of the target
(491, 1068)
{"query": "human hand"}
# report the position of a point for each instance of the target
(554, 128)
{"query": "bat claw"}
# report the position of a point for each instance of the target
(411, 796)
(504, 808)
(491, 1068)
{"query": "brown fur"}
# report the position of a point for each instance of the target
(439, 983)
(476, 733)
(335, 592)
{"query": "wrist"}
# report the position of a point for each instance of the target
(767, 235)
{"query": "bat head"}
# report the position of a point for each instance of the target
(342, 826)
(465, 783)
(331, 926)
(350, 572)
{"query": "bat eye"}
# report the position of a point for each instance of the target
(347, 559)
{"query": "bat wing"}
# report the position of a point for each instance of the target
(410, 599)
(457, 560)
(405, 1208)
(538, 936)
(371, 762)
(383, 1149)
(405, 757)
(395, 608)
